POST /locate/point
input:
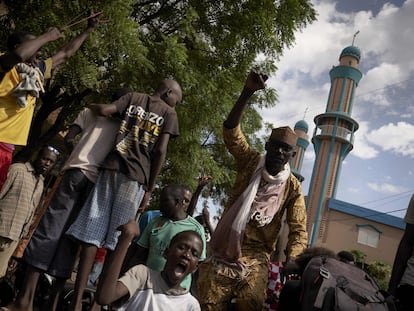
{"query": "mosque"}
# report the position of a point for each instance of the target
(332, 223)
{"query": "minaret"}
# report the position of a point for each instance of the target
(301, 129)
(332, 139)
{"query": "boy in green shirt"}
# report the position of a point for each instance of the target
(159, 232)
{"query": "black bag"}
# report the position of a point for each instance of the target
(331, 285)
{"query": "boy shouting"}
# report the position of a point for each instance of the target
(144, 288)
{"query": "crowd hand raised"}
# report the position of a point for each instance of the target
(256, 81)
(204, 180)
(93, 19)
(205, 212)
(54, 34)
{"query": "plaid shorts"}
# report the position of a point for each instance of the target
(113, 201)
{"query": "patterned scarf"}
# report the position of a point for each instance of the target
(227, 237)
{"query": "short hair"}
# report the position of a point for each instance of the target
(179, 235)
(176, 189)
(168, 84)
(186, 187)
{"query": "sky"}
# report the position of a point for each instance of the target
(378, 173)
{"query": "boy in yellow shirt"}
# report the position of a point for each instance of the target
(22, 75)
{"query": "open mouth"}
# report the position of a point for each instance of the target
(180, 268)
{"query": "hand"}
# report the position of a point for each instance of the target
(93, 20)
(129, 230)
(255, 81)
(54, 34)
(204, 180)
(205, 213)
(12, 265)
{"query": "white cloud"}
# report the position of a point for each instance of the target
(396, 40)
(362, 147)
(376, 80)
(396, 138)
(385, 188)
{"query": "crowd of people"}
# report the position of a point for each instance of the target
(95, 219)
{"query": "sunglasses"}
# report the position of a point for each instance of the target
(54, 150)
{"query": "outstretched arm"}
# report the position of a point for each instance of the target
(109, 289)
(202, 182)
(104, 110)
(73, 45)
(28, 48)
(255, 81)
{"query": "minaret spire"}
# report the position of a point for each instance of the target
(353, 39)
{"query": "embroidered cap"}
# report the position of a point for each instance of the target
(284, 134)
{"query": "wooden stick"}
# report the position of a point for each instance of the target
(82, 20)
(75, 18)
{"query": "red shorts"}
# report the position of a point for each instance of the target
(6, 153)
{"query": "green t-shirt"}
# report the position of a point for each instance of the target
(157, 236)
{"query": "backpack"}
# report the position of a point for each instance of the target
(331, 285)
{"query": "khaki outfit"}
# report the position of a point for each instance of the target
(217, 286)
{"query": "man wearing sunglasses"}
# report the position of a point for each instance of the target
(19, 198)
(235, 276)
(49, 249)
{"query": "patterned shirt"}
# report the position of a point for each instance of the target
(19, 197)
(259, 242)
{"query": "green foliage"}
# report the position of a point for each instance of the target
(358, 255)
(208, 46)
(381, 273)
(378, 270)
